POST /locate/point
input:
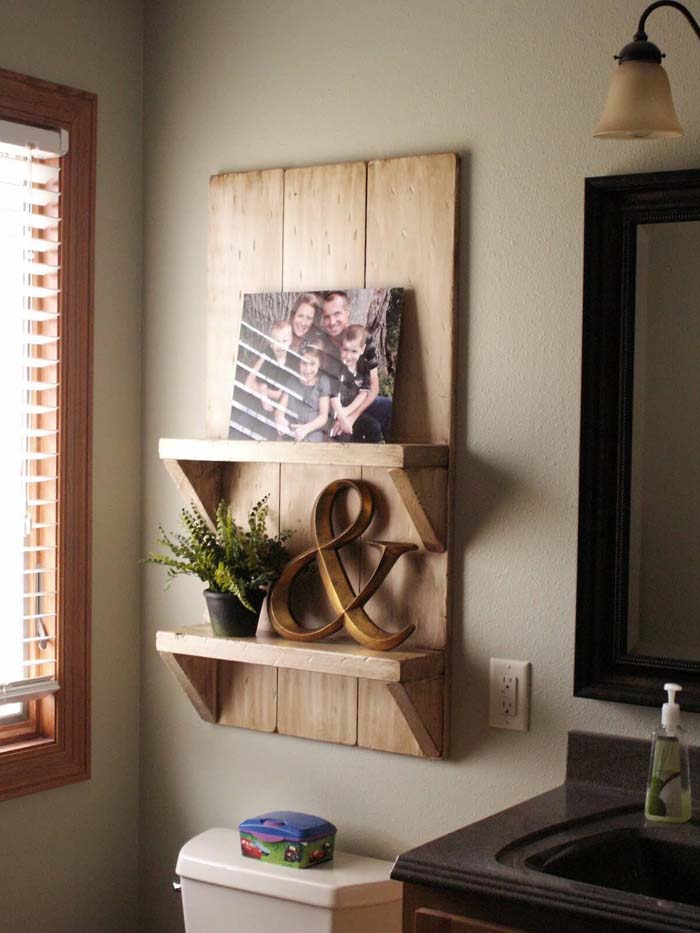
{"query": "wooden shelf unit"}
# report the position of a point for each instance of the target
(390, 222)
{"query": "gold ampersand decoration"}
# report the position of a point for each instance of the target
(345, 602)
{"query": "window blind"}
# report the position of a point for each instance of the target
(30, 226)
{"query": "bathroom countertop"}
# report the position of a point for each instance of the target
(601, 778)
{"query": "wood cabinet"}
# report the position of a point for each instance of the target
(429, 909)
(436, 921)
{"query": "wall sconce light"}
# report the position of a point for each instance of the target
(639, 103)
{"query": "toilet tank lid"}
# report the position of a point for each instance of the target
(214, 857)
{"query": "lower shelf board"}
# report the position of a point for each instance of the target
(245, 682)
(346, 658)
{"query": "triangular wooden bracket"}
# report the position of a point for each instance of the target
(198, 678)
(423, 492)
(423, 716)
(199, 481)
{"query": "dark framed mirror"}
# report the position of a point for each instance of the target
(638, 594)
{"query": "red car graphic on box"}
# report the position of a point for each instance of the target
(252, 851)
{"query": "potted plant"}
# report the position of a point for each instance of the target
(237, 564)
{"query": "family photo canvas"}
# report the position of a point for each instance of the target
(317, 366)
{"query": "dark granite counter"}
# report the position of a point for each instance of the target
(605, 775)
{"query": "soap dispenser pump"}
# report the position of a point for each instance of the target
(668, 786)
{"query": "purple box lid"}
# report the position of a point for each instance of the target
(287, 824)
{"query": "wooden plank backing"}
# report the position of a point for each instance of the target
(245, 255)
(317, 706)
(324, 226)
(324, 247)
(411, 241)
(247, 696)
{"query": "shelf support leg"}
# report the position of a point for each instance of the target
(429, 744)
(423, 492)
(198, 482)
(198, 678)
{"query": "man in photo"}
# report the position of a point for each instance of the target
(335, 320)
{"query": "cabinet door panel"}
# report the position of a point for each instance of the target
(435, 921)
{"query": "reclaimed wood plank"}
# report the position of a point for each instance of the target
(324, 247)
(412, 241)
(399, 456)
(346, 659)
(317, 706)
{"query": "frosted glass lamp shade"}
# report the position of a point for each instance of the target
(639, 104)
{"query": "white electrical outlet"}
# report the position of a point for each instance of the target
(509, 694)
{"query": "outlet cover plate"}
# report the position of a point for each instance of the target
(509, 694)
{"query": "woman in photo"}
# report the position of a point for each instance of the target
(305, 313)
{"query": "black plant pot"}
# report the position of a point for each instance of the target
(229, 617)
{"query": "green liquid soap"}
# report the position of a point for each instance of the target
(668, 785)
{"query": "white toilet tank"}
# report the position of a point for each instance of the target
(224, 892)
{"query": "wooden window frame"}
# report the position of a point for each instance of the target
(52, 746)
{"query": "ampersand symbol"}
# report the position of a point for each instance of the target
(345, 602)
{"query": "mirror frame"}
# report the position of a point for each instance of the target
(614, 207)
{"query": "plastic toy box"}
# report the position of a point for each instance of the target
(283, 837)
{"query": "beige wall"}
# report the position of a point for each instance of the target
(68, 857)
(516, 89)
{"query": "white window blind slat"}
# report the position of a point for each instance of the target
(38, 432)
(39, 291)
(13, 170)
(38, 410)
(31, 314)
(34, 244)
(36, 362)
(34, 386)
(15, 197)
(39, 268)
(29, 267)
(31, 219)
(40, 340)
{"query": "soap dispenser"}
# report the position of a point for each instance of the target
(668, 786)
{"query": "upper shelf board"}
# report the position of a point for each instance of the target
(397, 456)
(335, 657)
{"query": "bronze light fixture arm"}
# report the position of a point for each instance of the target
(641, 33)
(640, 49)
